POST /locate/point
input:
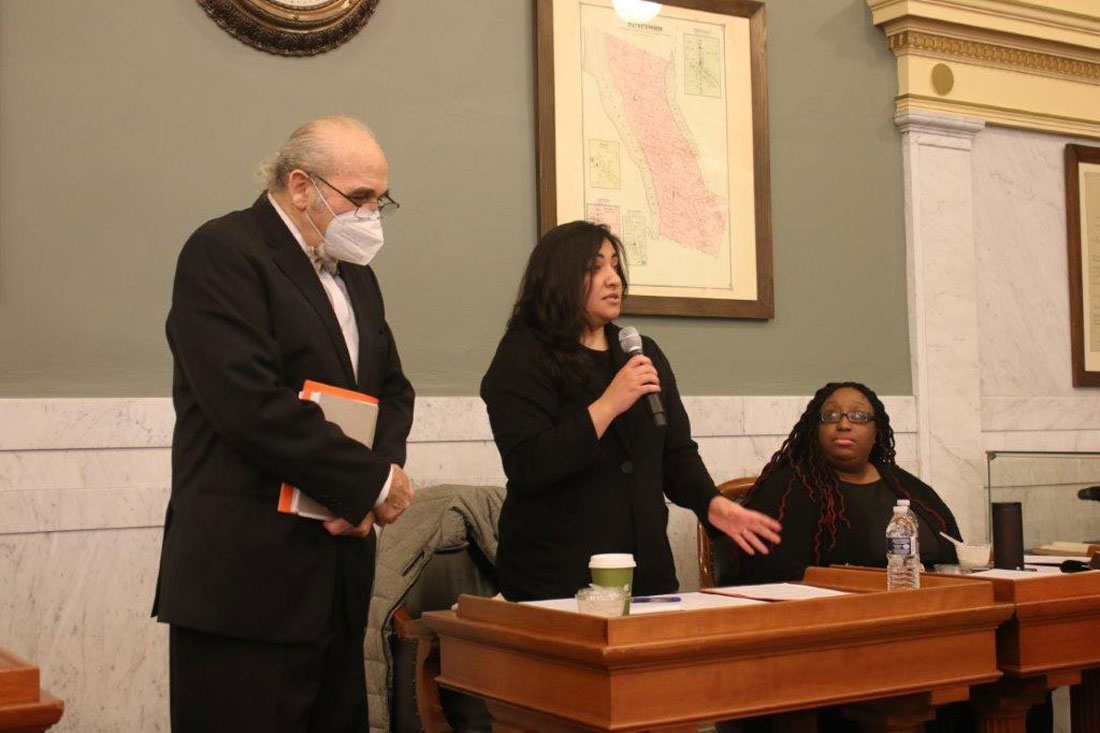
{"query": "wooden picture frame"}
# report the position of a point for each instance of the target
(674, 219)
(1083, 236)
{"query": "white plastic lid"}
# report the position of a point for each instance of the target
(612, 560)
(903, 502)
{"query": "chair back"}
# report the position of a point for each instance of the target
(734, 489)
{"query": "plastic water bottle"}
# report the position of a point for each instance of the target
(902, 557)
(912, 518)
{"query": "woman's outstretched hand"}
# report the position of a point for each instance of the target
(747, 528)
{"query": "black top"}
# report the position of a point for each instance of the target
(867, 507)
(571, 494)
(603, 367)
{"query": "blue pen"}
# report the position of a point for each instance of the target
(653, 599)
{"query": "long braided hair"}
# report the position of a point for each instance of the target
(801, 452)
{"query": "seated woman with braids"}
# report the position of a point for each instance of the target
(833, 484)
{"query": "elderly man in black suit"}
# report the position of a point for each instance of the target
(267, 610)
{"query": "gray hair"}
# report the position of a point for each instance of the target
(305, 149)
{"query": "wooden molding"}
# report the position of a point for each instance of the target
(1014, 63)
(550, 670)
(23, 705)
(1075, 155)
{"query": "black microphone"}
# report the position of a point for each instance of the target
(631, 343)
(1092, 493)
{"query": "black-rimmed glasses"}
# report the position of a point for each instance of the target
(382, 207)
(856, 417)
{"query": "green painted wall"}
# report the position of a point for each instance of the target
(124, 125)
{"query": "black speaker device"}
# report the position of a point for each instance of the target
(1008, 535)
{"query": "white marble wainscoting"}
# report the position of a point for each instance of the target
(1069, 424)
(83, 488)
(1046, 485)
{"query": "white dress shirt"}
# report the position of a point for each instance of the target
(337, 293)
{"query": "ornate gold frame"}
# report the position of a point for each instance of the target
(280, 29)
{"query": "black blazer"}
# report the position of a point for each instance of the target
(571, 495)
(789, 559)
(249, 323)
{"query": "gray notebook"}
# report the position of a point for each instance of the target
(356, 414)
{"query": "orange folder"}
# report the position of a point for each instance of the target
(355, 413)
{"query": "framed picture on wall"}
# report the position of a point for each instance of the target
(1083, 229)
(653, 119)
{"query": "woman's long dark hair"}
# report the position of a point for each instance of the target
(801, 452)
(551, 300)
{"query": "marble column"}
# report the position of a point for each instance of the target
(942, 272)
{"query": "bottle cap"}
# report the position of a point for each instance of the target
(903, 502)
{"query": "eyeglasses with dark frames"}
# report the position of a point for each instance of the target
(856, 417)
(380, 208)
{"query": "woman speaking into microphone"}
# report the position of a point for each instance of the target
(588, 466)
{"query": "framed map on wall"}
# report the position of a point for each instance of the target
(652, 119)
(1083, 234)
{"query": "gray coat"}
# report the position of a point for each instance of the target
(441, 518)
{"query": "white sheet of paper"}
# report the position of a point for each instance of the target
(687, 602)
(1007, 574)
(690, 602)
(1067, 548)
(778, 591)
(1051, 559)
(556, 604)
(1046, 569)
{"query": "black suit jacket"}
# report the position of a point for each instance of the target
(249, 323)
(571, 495)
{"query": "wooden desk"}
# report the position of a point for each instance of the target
(23, 706)
(883, 653)
(1052, 639)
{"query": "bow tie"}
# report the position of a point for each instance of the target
(322, 261)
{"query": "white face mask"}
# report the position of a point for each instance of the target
(350, 238)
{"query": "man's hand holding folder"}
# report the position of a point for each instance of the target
(356, 414)
(394, 505)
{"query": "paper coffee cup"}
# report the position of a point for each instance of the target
(614, 570)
